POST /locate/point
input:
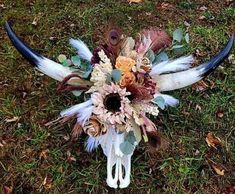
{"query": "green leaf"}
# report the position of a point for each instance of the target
(116, 75)
(178, 35)
(66, 63)
(150, 55)
(162, 56)
(108, 78)
(137, 133)
(177, 46)
(160, 102)
(187, 38)
(77, 93)
(84, 65)
(184, 170)
(76, 60)
(127, 148)
(131, 137)
(61, 58)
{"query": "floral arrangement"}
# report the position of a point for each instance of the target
(122, 81)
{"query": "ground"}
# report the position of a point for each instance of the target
(38, 159)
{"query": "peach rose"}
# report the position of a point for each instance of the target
(124, 64)
(127, 79)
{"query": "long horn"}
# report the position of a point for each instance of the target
(173, 81)
(43, 64)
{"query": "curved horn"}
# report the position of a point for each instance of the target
(173, 81)
(43, 64)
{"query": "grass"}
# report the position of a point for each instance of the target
(181, 168)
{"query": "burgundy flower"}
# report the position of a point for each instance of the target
(95, 58)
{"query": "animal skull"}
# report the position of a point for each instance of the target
(110, 144)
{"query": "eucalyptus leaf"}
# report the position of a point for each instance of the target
(150, 55)
(108, 79)
(162, 56)
(77, 93)
(131, 137)
(61, 58)
(137, 132)
(127, 148)
(116, 75)
(76, 60)
(85, 65)
(87, 74)
(187, 38)
(178, 35)
(66, 63)
(160, 102)
(177, 46)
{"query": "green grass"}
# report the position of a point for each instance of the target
(181, 168)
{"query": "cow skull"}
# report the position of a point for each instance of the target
(110, 143)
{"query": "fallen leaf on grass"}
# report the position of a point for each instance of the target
(135, 1)
(43, 154)
(200, 86)
(231, 59)
(164, 6)
(220, 114)
(212, 140)
(7, 190)
(218, 168)
(198, 107)
(14, 119)
(47, 182)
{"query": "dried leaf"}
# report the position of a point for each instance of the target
(14, 119)
(220, 114)
(7, 190)
(218, 169)
(200, 86)
(198, 107)
(135, 1)
(43, 154)
(164, 6)
(212, 140)
(47, 182)
(231, 59)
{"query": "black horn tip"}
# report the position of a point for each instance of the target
(217, 60)
(24, 50)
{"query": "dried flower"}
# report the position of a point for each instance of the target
(95, 58)
(94, 127)
(111, 104)
(100, 72)
(127, 79)
(124, 64)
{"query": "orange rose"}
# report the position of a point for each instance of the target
(127, 79)
(124, 64)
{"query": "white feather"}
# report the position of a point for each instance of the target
(82, 49)
(179, 64)
(76, 108)
(173, 81)
(169, 100)
(84, 115)
(53, 69)
(91, 144)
